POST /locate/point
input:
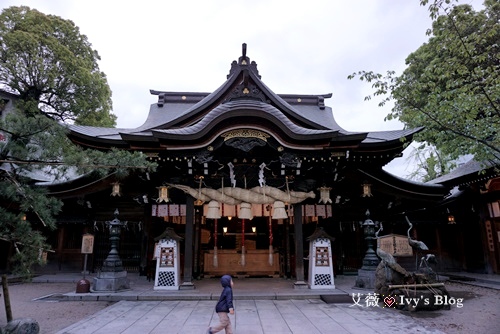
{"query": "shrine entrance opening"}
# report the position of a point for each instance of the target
(244, 248)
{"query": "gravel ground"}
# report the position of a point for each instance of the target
(51, 316)
(480, 312)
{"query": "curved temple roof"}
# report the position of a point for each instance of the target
(243, 128)
(242, 101)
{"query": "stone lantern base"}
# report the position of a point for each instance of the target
(366, 279)
(111, 282)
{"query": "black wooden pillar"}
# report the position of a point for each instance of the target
(188, 246)
(288, 267)
(197, 232)
(146, 228)
(299, 247)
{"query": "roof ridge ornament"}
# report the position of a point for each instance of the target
(243, 63)
(243, 60)
(244, 50)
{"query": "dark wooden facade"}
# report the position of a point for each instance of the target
(474, 204)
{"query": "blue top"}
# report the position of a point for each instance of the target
(226, 297)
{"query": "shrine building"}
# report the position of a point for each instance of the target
(245, 176)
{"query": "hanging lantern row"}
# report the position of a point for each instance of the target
(225, 229)
(332, 157)
(246, 207)
(215, 210)
(279, 206)
(162, 193)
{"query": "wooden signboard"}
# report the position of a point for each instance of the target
(87, 244)
(395, 244)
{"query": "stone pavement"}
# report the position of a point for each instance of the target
(261, 306)
(300, 316)
(206, 289)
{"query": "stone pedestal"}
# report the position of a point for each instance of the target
(366, 279)
(187, 286)
(111, 282)
(300, 285)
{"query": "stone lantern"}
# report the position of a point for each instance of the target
(112, 277)
(366, 275)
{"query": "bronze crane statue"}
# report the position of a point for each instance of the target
(418, 246)
(429, 258)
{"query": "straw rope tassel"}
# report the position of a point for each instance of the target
(243, 260)
(287, 189)
(270, 241)
(243, 243)
(215, 260)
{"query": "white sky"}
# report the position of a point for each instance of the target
(301, 47)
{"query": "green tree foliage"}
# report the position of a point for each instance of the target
(430, 163)
(47, 61)
(451, 85)
(52, 74)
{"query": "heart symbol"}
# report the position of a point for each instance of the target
(389, 301)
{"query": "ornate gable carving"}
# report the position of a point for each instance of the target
(245, 139)
(246, 91)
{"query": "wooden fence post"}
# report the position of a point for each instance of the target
(6, 298)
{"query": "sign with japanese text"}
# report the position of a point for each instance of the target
(87, 244)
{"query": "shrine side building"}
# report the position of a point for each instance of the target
(245, 176)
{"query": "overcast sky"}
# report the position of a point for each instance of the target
(300, 47)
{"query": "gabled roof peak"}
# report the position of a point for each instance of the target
(243, 63)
